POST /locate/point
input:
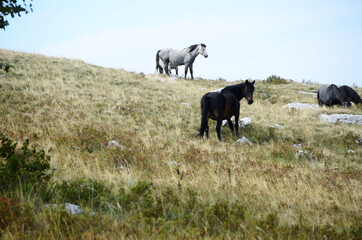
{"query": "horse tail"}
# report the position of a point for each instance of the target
(205, 103)
(158, 67)
(319, 99)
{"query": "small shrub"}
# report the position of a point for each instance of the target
(8, 210)
(274, 79)
(26, 166)
(6, 66)
(92, 193)
(225, 216)
(139, 195)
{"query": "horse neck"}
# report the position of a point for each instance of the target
(194, 53)
(340, 94)
(237, 90)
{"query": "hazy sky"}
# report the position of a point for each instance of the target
(314, 40)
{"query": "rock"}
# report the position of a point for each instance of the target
(116, 107)
(161, 79)
(174, 77)
(342, 118)
(300, 106)
(277, 126)
(350, 151)
(114, 143)
(173, 163)
(309, 84)
(244, 140)
(297, 145)
(185, 104)
(71, 208)
(244, 122)
(309, 155)
(308, 93)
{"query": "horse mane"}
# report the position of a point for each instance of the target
(193, 47)
(332, 86)
(234, 89)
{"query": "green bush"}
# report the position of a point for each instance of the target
(25, 167)
(274, 79)
(140, 196)
(6, 66)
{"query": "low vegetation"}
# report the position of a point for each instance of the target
(162, 180)
(274, 79)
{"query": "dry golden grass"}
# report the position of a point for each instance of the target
(68, 105)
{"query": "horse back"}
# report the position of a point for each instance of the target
(351, 94)
(220, 105)
(164, 54)
(327, 92)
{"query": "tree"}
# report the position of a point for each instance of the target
(13, 8)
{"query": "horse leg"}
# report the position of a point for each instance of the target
(166, 67)
(192, 71)
(219, 113)
(237, 124)
(207, 129)
(231, 125)
(186, 67)
(176, 70)
(218, 128)
(160, 69)
(205, 102)
(204, 128)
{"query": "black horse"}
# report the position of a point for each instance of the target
(331, 95)
(351, 94)
(223, 105)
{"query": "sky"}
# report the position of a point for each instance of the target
(312, 40)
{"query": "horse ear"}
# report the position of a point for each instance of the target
(253, 82)
(246, 81)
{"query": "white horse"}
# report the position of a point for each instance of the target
(176, 58)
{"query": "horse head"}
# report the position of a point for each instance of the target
(344, 99)
(346, 103)
(202, 50)
(248, 91)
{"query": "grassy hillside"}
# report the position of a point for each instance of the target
(167, 182)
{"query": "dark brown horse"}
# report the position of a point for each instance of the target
(223, 105)
(351, 94)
